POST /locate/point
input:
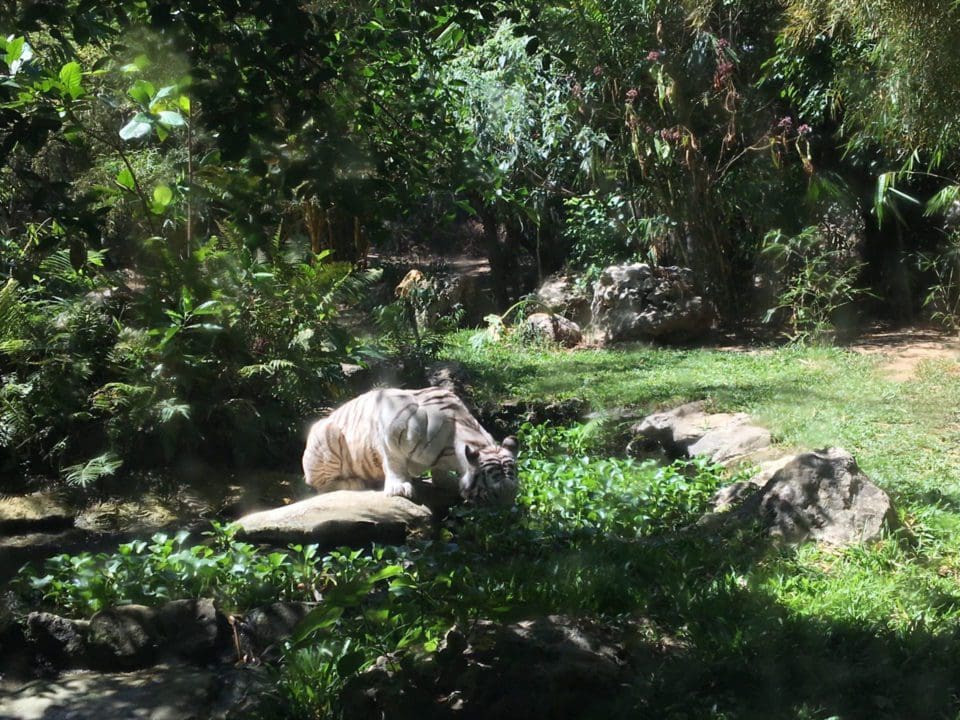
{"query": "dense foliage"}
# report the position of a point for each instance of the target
(186, 194)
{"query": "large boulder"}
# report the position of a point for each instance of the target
(644, 302)
(821, 496)
(125, 637)
(144, 515)
(263, 630)
(437, 295)
(59, 641)
(344, 517)
(553, 329)
(192, 629)
(691, 431)
(563, 295)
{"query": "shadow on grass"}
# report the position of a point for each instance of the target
(733, 651)
(747, 656)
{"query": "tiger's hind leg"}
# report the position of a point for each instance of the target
(324, 460)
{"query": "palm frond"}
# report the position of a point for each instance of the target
(268, 369)
(83, 474)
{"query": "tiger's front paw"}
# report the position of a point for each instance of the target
(401, 488)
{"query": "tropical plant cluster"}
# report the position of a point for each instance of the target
(189, 196)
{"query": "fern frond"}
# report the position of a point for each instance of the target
(82, 474)
(268, 369)
(57, 265)
(11, 309)
(115, 395)
(171, 408)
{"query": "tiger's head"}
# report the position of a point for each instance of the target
(492, 475)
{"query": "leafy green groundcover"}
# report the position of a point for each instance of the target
(763, 632)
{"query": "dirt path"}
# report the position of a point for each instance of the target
(904, 349)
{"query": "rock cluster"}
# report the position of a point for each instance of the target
(556, 666)
(820, 495)
(131, 637)
(630, 302)
(563, 295)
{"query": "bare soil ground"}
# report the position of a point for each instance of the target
(903, 349)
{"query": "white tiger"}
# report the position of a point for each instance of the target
(390, 436)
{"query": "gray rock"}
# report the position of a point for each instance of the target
(124, 637)
(60, 641)
(562, 294)
(821, 496)
(689, 431)
(161, 693)
(144, 515)
(737, 492)
(191, 629)
(556, 329)
(436, 295)
(265, 627)
(732, 442)
(338, 518)
(643, 302)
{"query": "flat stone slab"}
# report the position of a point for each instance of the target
(160, 693)
(344, 517)
(37, 511)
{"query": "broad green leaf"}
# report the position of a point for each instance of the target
(125, 179)
(71, 76)
(451, 36)
(13, 49)
(210, 307)
(164, 92)
(142, 91)
(162, 196)
(387, 572)
(141, 62)
(884, 181)
(317, 619)
(171, 119)
(140, 126)
(184, 103)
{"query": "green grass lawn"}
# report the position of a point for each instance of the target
(904, 435)
(813, 631)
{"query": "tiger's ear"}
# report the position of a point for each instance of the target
(510, 443)
(473, 456)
